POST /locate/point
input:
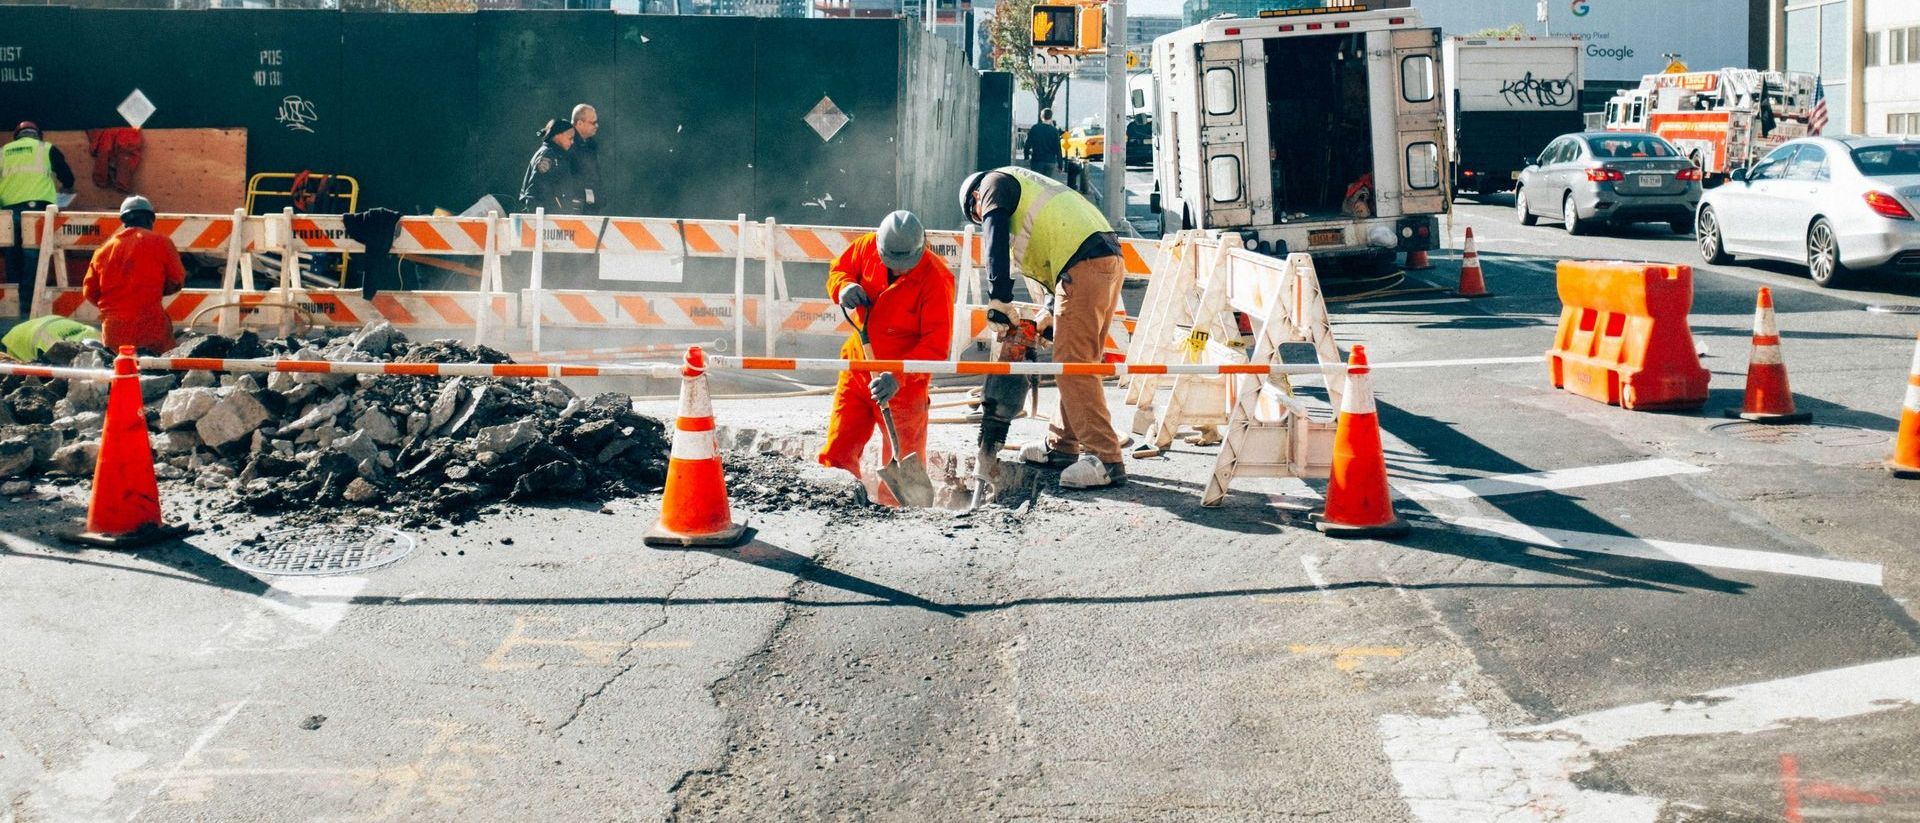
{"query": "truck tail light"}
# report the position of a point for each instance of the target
(1887, 206)
(1688, 175)
(1605, 175)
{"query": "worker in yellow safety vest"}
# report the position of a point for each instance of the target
(1062, 242)
(33, 173)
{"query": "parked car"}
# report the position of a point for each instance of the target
(1836, 204)
(1140, 140)
(1084, 143)
(1609, 177)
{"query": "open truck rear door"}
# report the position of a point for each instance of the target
(1420, 119)
(1229, 77)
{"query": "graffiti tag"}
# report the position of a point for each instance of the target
(296, 113)
(1543, 93)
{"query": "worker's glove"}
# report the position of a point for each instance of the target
(1000, 316)
(884, 387)
(853, 297)
(1044, 323)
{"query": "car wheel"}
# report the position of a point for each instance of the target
(1520, 208)
(1706, 232)
(1570, 217)
(1681, 225)
(1823, 256)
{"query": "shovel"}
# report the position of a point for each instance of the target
(905, 475)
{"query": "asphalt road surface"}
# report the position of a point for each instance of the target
(1600, 615)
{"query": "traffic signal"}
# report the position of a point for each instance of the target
(1054, 27)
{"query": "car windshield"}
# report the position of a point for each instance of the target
(1090, 131)
(1888, 161)
(1629, 145)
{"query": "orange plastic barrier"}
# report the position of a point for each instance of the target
(1623, 336)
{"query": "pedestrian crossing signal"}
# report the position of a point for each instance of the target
(1053, 27)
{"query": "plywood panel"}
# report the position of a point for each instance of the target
(191, 171)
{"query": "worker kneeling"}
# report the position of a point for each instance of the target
(128, 278)
(902, 295)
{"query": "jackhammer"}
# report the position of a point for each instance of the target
(1000, 401)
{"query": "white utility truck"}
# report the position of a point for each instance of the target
(1507, 98)
(1318, 130)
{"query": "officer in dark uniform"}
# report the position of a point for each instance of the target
(550, 183)
(584, 157)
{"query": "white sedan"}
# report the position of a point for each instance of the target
(1836, 204)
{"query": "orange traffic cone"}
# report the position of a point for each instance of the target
(1358, 502)
(1472, 283)
(125, 508)
(1417, 260)
(1906, 449)
(1768, 398)
(694, 511)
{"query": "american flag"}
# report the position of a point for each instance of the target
(1817, 119)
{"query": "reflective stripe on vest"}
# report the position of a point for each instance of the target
(1049, 225)
(26, 172)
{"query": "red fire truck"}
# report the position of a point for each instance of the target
(1723, 119)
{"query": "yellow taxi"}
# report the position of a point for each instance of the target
(1084, 143)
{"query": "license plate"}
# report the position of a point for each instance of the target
(1651, 181)
(1326, 237)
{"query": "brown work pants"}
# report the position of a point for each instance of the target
(1084, 302)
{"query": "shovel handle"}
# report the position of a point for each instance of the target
(866, 349)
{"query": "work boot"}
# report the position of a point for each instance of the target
(1090, 473)
(1039, 454)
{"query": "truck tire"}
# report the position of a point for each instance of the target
(1520, 207)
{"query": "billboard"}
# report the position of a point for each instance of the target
(1625, 39)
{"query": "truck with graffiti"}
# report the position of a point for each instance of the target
(1507, 98)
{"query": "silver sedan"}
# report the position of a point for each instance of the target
(1609, 177)
(1836, 204)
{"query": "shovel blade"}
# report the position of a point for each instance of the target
(907, 478)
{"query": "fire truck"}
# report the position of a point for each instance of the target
(1317, 128)
(1722, 120)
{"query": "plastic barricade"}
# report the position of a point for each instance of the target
(1623, 337)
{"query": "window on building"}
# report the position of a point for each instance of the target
(1913, 44)
(1903, 123)
(1803, 40)
(1874, 42)
(1834, 40)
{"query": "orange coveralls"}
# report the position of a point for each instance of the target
(127, 278)
(910, 319)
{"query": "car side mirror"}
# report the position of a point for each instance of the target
(1739, 174)
(1153, 203)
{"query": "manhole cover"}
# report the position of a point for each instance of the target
(1816, 434)
(1887, 308)
(323, 551)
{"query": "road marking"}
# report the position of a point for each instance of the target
(1469, 361)
(206, 736)
(592, 646)
(1394, 304)
(1312, 564)
(295, 613)
(1554, 480)
(1459, 768)
(1691, 554)
(1348, 658)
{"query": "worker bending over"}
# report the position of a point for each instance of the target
(1065, 244)
(902, 295)
(128, 276)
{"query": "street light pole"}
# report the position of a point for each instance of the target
(1115, 153)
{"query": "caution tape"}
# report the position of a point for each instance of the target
(54, 372)
(533, 370)
(1042, 369)
(675, 349)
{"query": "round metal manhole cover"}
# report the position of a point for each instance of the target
(1813, 434)
(1893, 308)
(316, 551)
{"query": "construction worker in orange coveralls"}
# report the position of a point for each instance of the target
(128, 276)
(903, 295)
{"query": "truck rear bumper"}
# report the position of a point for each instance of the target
(1339, 238)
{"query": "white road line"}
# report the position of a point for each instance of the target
(1549, 480)
(293, 614)
(1312, 564)
(1750, 708)
(1691, 554)
(1469, 361)
(206, 736)
(1393, 304)
(1459, 768)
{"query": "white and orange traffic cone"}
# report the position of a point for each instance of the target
(694, 511)
(1359, 504)
(124, 509)
(1906, 448)
(1768, 400)
(1472, 282)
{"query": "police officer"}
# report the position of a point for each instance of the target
(584, 157)
(32, 175)
(550, 183)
